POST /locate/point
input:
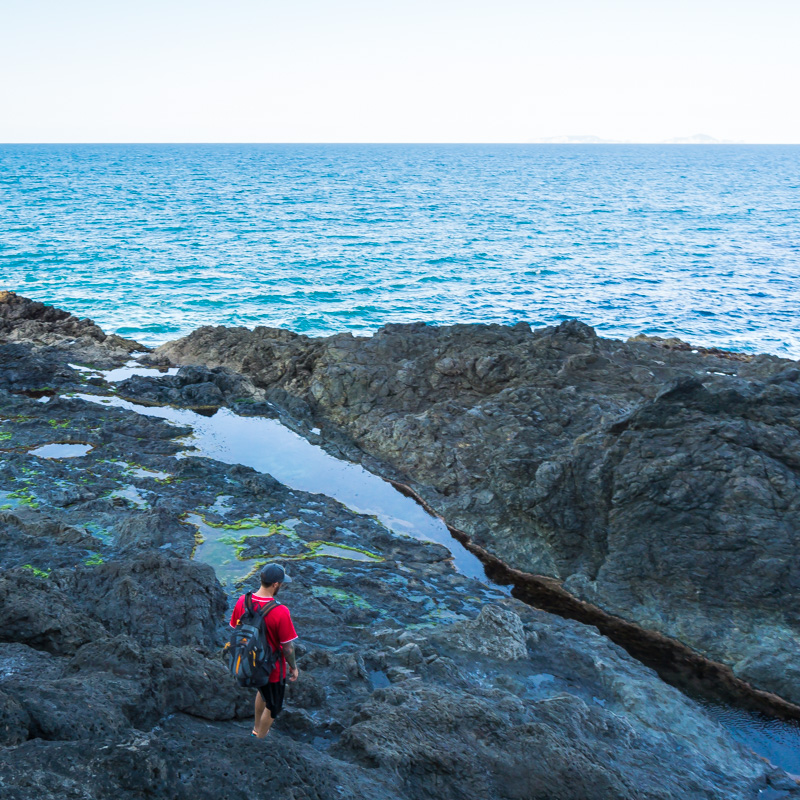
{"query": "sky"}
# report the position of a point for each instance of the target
(411, 71)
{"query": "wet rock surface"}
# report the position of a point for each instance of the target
(119, 569)
(657, 481)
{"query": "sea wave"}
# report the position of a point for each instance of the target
(154, 241)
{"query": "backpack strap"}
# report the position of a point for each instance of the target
(264, 612)
(281, 660)
(267, 607)
(248, 602)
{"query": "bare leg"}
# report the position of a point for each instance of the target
(260, 706)
(263, 718)
(265, 725)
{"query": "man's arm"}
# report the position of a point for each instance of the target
(286, 636)
(238, 610)
(291, 660)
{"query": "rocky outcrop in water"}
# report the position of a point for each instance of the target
(415, 680)
(26, 321)
(658, 481)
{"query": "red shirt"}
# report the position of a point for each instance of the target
(279, 629)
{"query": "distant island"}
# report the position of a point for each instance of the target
(576, 140)
(697, 138)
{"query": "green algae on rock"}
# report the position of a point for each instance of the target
(319, 549)
(341, 596)
(39, 573)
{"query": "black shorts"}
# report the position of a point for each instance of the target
(273, 694)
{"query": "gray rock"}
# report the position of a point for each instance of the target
(408, 655)
(111, 683)
(496, 632)
(14, 721)
(24, 320)
(657, 480)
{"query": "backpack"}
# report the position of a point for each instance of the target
(252, 658)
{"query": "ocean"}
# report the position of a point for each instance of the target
(152, 241)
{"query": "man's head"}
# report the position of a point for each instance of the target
(272, 576)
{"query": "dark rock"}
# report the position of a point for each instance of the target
(155, 529)
(308, 693)
(416, 682)
(275, 545)
(182, 760)
(155, 598)
(24, 320)
(26, 370)
(489, 744)
(192, 387)
(41, 613)
(657, 480)
(26, 536)
(72, 708)
(14, 721)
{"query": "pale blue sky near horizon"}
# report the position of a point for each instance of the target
(358, 71)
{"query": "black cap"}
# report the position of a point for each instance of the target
(274, 573)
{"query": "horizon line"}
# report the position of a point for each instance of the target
(421, 143)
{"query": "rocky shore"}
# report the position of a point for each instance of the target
(654, 480)
(122, 553)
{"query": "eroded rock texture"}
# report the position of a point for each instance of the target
(416, 681)
(31, 323)
(658, 481)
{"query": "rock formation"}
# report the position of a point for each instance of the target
(658, 481)
(416, 681)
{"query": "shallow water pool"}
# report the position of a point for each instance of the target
(61, 450)
(776, 740)
(270, 447)
(134, 368)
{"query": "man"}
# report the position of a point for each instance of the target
(280, 634)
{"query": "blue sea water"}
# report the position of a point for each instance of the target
(701, 242)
